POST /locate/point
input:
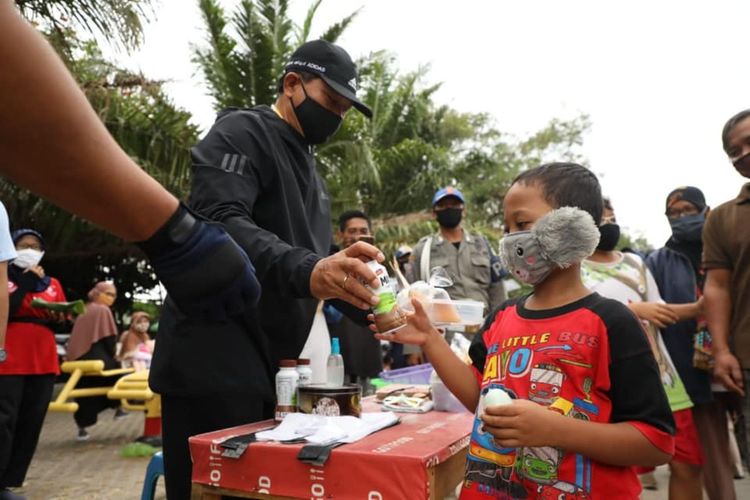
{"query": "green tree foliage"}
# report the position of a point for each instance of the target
(153, 131)
(119, 21)
(246, 51)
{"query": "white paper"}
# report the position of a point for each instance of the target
(321, 429)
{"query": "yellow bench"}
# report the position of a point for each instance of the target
(78, 369)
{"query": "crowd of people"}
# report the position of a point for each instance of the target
(630, 370)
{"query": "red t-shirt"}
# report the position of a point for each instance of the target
(30, 346)
(591, 359)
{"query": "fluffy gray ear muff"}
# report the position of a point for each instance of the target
(566, 235)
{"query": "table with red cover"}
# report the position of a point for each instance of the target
(422, 457)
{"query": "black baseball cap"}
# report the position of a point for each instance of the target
(333, 65)
(687, 193)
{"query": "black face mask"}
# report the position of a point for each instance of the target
(610, 235)
(688, 228)
(449, 217)
(742, 164)
(317, 123)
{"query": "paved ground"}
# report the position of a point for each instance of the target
(64, 469)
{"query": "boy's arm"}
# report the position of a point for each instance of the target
(457, 376)
(525, 423)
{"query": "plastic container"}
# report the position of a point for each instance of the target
(456, 312)
(442, 398)
(335, 365)
(287, 380)
(418, 374)
(304, 370)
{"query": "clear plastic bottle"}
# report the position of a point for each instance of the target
(304, 370)
(335, 365)
(287, 380)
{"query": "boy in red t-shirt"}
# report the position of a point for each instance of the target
(588, 401)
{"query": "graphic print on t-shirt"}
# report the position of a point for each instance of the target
(553, 367)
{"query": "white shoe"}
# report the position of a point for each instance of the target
(83, 435)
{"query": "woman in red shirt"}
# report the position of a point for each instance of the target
(28, 374)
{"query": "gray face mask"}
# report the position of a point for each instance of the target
(524, 258)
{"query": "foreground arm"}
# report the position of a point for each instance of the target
(53, 143)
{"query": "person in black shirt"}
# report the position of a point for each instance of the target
(255, 173)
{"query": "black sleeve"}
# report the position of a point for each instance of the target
(232, 168)
(636, 390)
(25, 283)
(352, 312)
(478, 349)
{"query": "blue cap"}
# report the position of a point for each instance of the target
(445, 192)
(335, 346)
(402, 251)
(20, 233)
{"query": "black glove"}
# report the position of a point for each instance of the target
(207, 275)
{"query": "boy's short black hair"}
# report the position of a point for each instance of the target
(729, 126)
(306, 77)
(353, 214)
(567, 185)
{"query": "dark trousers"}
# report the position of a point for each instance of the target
(89, 408)
(183, 417)
(24, 400)
(711, 422)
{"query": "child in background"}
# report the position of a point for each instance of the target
(625, 278)
(588, 400)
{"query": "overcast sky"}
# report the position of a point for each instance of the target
(657, 78)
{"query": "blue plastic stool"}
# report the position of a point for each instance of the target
(153, 471)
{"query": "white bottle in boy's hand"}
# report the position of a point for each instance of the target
(335, 367)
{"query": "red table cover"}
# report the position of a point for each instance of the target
(391, 463)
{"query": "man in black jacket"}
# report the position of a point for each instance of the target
(255, 173)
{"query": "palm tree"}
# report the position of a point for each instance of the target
(246, 52)
(119, 21)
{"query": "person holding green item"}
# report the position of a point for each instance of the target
(28, 373)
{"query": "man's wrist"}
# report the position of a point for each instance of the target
(721, 350)
(172, 234)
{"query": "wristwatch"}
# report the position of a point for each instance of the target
(3, 355)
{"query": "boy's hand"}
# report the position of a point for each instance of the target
(418, 329)
(522, 423)
(658, 314)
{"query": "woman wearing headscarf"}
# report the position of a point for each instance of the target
(136, 347)
(679, 275)
(27, 375)
(94, 337)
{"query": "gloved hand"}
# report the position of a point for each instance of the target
(206, 274)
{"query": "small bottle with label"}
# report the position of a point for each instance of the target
(388, 315)
(335, 365)
(304, 370)
(287, 380)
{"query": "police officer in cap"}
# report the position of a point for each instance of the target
(254, 172)
(467, 257)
